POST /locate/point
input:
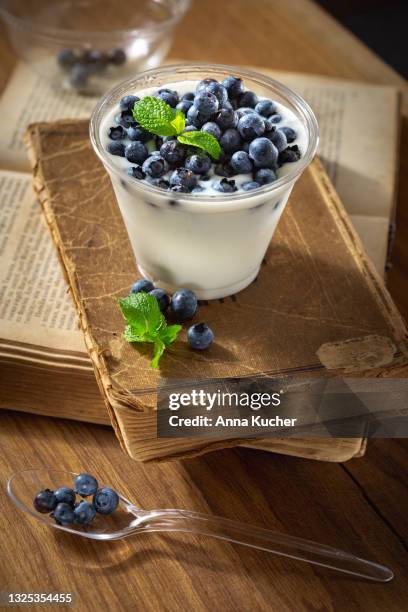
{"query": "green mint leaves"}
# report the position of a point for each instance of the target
(204, 141)
(157, 117)
(145, 323)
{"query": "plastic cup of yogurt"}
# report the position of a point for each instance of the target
(210, 242)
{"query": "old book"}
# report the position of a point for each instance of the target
(32, 349)
(329, 294)
(41, 347)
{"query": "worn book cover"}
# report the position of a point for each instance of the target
(318, 304)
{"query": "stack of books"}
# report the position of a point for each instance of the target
(51, 367)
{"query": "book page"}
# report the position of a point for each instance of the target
(35, 305)
(359, 126)
(28, 98)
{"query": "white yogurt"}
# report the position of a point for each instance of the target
(214, 248)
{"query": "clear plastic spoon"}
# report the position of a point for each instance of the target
(128, 520)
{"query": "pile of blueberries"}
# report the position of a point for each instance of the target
(65, 510)
(247, 129)
(83, 64)
(183, 305)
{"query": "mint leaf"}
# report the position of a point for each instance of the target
(169, 334)
(155, 116)
(203, 140)
(179, 122)
(146, 323)
(142, 314)
(159, 348)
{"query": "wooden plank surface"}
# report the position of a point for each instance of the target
(360, 506)
(173, 572)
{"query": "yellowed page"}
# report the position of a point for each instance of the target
(29, 98)
(35, 306)
(359, 126)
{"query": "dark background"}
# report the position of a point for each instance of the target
(381, 24)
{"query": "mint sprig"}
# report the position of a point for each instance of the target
(146, 323)
(157, 117)
(203, 140)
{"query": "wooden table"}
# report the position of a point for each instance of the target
(360, 506)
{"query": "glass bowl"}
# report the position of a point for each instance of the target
(88, 45)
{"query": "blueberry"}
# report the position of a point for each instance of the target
(95, 59)
(188, 96)
(263, 152)
(63, 514)
(275, 118)
(79, 76)
(200, 336)
(135, 132)
(45, 501)
(198, 189)
(182, 177)
(199, 164)
(184, 304)
(105, 500)
(250, 126)
(85, 484)
(184, 105)
(169, 96)
(143, 285)
(290, 154)
(203, 84)
(244, 110)
(84, 513)
(66, 58)
(250, 185)
(117, 57)
(116, 133)
(136, 172)
(195, 117)
(248, 98)
(224, 170)
(231, 140)
(212, 128)
(234, 86)
(206, 103)
(162, 298)
(227, 118)
(126, 119)
(155, 166)
(226, 186)
(290, 133)
(241, 162)
(128, 102)
(116, 148)
(65, 495)
(264, 176)
(279, 139)
(173, 152)
(245, 146)
(265, 107)
(160, 183)
(136, 152)
(191, 128)
(180, 189)
(219, 92)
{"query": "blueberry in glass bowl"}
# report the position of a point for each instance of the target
(86, 46)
